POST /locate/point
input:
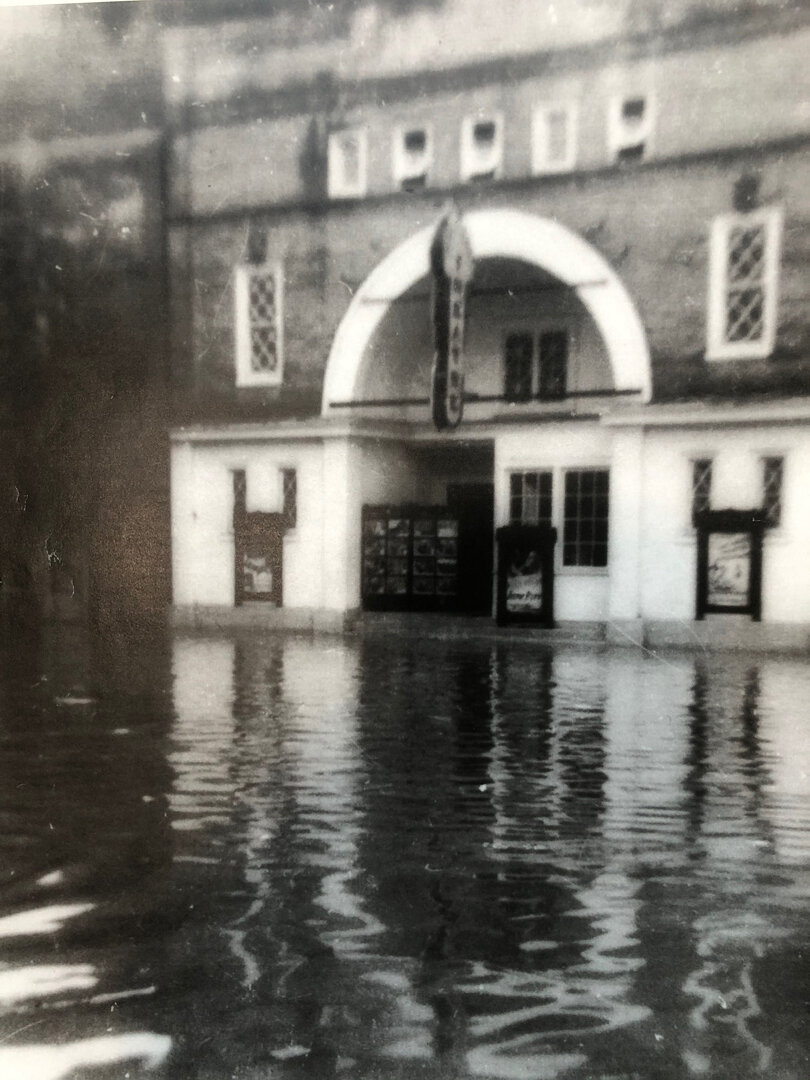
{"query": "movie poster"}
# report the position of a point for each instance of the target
(729, 569)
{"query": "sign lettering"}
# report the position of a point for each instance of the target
(451, 264)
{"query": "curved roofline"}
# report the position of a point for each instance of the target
(509, 234)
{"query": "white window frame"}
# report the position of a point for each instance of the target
(718, 347)
(336, 185)
(471, 164)
(583, 568)
(403, 167)
(541, 162)
(246, 375)
(623, 135)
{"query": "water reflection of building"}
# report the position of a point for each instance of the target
(625, 370)
(506, 863)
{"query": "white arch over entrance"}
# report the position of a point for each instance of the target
(508, 234)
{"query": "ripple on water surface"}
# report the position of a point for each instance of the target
(285, 857)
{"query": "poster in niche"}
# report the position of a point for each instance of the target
(729, 569)
(258, 575)
(524, 581)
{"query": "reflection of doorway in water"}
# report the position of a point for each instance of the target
(474, 506)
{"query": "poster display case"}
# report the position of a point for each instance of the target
(729, 562)
(409, 558)
(526, 574)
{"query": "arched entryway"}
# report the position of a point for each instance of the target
(508, 234)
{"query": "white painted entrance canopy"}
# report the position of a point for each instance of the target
(506, 234)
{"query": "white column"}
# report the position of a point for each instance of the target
(340, 527)
(626, 478)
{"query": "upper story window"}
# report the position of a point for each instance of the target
(701, 486)
(743, 284)
(554, 138)
(773, 469)
(413, 157)
(482, 147)
(347, 159)
(630, 126)
(536, 365)
(259, 325)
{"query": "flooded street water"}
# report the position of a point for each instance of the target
(236, 857)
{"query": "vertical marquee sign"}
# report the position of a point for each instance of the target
(451, 265)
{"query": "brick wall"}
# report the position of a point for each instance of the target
(651, 223)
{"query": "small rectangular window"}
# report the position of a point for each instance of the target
(289, 494)
(553, 138)
(518, 367)
(259, 314)
(553, 361)
(585, 517)
(743, 284)
(630, 125)
(413, 157)
(347, 163)
(530, 498)
(772, 476)
(701, 487)
(482, 147)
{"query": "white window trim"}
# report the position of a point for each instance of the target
(334, 186)
(620, 136)
(401, 166)
(540, 158)
(717, 347)
(558, 473)
(470, 164)
(245, 375)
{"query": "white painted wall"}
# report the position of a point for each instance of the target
(652, 549)
(398, 359)
(202, 517)
(668, 557)
(580, 593)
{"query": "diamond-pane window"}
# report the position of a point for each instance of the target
(772, 474)
(262, 316)
(701, 486)
(289, 493)
(259, 325)
(743, 284)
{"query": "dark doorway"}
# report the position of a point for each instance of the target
(474, 506)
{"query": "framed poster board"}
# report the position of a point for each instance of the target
(729, 562)
(409, 558)
(526, 574)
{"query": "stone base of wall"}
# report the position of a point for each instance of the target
(260, 617)
(726, 632)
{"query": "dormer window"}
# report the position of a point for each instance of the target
(553, 138)
(347, 155)
(413, 157)
(743, 284)
(630, 124)
(482, 147)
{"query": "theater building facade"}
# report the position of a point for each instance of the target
(629, 329)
